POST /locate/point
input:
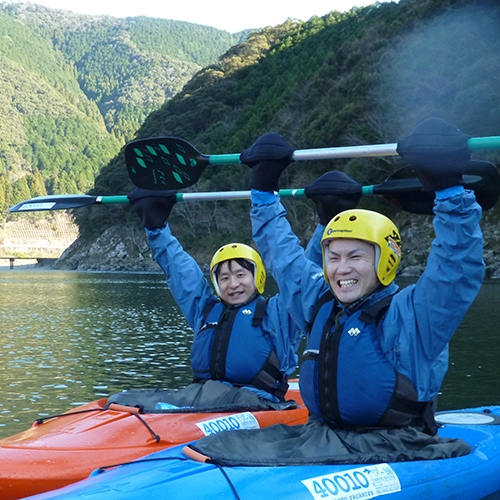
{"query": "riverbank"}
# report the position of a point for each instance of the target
(125, 249)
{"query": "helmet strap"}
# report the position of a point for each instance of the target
(377, 260)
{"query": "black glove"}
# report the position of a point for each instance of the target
(268, 156)
(333, 193)
(152, 207)
(438, 153)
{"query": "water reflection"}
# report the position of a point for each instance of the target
(473, 378)
(67, 338)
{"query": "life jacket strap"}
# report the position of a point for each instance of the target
(270, 378)
(376, 311)
(260, 311)
(326, 297)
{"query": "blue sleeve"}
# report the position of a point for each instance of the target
(423, 317)
(285, 333)
(279, 322)
(313, 251)
(454, 272)
(300, 281)
(186, 281)
(449, 192)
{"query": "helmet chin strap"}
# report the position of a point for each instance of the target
(354, 305)
(377, 260)
(214, 279)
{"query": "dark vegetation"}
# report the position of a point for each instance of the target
(75, 88)
(367, 76)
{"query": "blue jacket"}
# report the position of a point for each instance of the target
(422, 318)
(192, 292)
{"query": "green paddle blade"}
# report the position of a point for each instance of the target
(167, 163)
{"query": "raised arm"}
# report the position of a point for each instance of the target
(453, 276)
(299, 280)
(185, 279)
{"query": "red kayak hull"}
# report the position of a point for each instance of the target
(66, 449)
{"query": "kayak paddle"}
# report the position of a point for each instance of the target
(173, 163)
(401, 188)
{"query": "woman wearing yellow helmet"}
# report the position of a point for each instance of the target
(375, 356)
(244, 346)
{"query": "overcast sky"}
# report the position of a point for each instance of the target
(229, 15)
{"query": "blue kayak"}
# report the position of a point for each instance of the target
(170, 474)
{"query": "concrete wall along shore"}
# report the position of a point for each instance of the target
(36, 241)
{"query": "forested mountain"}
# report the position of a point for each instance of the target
(74, 88)
(367, 76)
(129, 67)
(52, 138)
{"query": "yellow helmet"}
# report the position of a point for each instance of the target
(239, 251)
(371, 227)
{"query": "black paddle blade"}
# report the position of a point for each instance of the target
(163, 163)
(487, 188)
(56, 202)
(404, 189)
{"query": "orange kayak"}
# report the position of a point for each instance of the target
(67, 448)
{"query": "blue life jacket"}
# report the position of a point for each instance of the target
(347, 380)
(232, 346)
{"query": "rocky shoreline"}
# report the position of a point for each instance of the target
(127, 250)
(114, 250)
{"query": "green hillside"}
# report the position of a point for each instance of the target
(52, 138)
(74, 88)
(128, 67)
(367, 76)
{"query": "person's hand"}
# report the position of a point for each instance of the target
(333, 193)
(437, 152)
(268, 156)
(152, 207)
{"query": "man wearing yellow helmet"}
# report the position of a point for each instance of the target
(244, 346)
(376, 355)
(361, 250)
(237, 273)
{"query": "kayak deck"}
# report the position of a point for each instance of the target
(169, 474)
(66, 449)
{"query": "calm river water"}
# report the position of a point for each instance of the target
(67, 338)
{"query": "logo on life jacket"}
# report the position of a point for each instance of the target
(246, 312)
(353, 332)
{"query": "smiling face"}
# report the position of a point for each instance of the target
(350, 268)
(236, 284)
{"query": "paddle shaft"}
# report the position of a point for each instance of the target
(172, 163)
(402, 188)
(473, 144)
(64, 202)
